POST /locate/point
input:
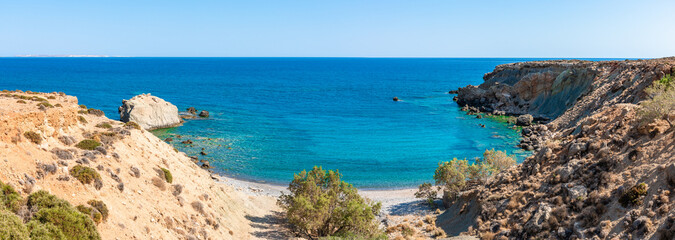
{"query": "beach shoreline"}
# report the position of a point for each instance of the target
(394, 201)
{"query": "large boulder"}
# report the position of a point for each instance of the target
(149, 112)
(524, 120)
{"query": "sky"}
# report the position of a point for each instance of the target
(345, 28)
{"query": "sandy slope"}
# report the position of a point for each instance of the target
(141, 210)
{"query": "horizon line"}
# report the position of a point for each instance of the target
(112, 56)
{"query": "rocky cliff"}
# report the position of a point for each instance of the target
(599, 173)
(151, 190)
(149, 112)
(564, 90)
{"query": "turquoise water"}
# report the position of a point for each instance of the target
(272, 117)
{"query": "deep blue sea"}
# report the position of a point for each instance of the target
(272, 117)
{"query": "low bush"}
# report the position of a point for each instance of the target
(451, 177)
(46, 104)
(72, 223)
(33, 137)
(660, 101)
(95, 112)
(634, 195)
(86, 175)
(104, 125)
(82, 119)
(42, 199)
(44, 231)
(320, 204)
(83, 106)
(100, 207)
(55, 213)
(133, 125)
(94, 214)
(58, 105)
(20, 101)
(167, 175)
(426, 191)
(9, 198)
(11, 227)
(88, 144)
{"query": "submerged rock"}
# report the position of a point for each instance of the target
(192, 110)
(149, 112)
(204, 113)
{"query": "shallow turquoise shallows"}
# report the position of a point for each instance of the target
(272, 117)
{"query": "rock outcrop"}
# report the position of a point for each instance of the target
(149, 112)
(548, 89)
(587, 161)
(142, 203)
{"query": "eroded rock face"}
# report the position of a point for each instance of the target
(149, 112)
(565, 90)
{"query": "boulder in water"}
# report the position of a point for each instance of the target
(204, 113)
(396, 99)
(192, 110)
(149, 112)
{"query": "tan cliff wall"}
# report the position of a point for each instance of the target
(547, 89)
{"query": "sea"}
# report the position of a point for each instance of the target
(271, 118)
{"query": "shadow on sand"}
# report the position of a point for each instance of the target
(270, 226)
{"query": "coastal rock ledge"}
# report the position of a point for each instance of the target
(150, 112)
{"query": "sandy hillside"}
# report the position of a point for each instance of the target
(141, 206)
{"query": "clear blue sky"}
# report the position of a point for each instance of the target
(317, 28)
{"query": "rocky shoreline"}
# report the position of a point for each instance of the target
(590, 154)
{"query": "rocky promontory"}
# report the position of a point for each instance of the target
(150, 112)
(600, 171)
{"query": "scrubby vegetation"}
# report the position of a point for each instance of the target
(11, 226)
(45, 104)
(167, 175)
(88, 144)
(49, 218)
(95, 112)
(320, 205)
(33, 137)
(100, 207)
(9, 198)
(86, 175)
(634, 195)
(661, 101)
(133, 125)
(104, 125)
(451, 177)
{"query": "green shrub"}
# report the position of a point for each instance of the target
(95, 112)
(104, 125)
(100, 207)
(660, 101)
(82, 119)
(73, 224)
(21, 101)
(44, 231)
(320, 205)
(58, 105)
(9, 198)
(83, 106)
(94, 214)
(82, 112)
(634, 195)
(86, 175)
(33, 137)
(133, 125)
(426, 191)
(42, 199)
(88, 144)
(46, 104)
(452, 176)
(11, 227)
(167, 175)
